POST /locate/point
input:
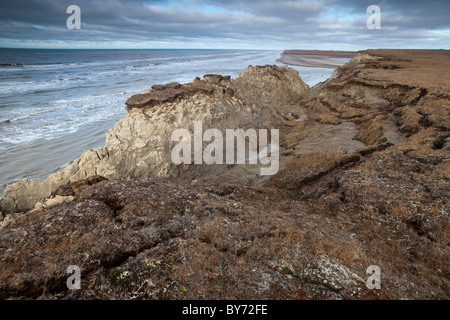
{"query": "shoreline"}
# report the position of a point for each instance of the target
(315, 58)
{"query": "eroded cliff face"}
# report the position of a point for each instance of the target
(139, 146)
(364, 180)
(389, 94)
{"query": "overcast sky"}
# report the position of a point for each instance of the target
(234, 24)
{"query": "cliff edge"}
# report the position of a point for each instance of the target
(139, 146)
(364, 180)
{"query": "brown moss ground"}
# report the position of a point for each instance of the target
(309, 233)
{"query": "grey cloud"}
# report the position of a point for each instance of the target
(306, 22)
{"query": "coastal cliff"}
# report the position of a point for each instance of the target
(364, 180)
(139, 146)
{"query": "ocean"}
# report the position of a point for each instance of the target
(54, 104)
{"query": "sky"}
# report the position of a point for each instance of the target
(225, 24)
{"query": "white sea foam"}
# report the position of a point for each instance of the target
(15, 83)
(27, 115)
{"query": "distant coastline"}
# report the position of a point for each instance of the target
(316, 58)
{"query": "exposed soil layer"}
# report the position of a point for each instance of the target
(364, 180)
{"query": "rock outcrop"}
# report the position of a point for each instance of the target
(364, 180)
(139, 146)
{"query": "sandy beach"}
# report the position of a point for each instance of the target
(316, 58)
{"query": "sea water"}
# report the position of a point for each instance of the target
(54, 104)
